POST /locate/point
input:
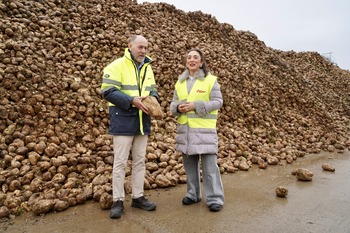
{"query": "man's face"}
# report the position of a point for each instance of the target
(139, 48)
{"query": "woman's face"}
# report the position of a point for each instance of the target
(193, 61)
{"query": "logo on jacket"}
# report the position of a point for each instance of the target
(200, 91)
(106, 76)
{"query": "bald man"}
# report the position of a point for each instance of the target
(126, 81)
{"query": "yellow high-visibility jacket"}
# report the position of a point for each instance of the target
(121, 82)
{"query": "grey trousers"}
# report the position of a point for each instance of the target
(212, 184)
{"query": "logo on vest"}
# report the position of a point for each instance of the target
(200, 91)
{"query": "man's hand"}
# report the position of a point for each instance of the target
(137, 102)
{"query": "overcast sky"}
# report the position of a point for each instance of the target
(322, 26)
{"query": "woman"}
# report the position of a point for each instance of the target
(197, 98)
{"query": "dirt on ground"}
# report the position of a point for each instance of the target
(251, 205)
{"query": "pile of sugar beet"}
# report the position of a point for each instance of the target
(55, 151)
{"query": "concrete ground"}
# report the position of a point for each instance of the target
(251, 205)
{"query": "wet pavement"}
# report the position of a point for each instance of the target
(251, 205)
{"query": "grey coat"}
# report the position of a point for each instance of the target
(191, 141)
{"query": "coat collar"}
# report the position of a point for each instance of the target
(128, 55)
(198, 75)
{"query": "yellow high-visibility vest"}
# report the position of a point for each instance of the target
(200, 91)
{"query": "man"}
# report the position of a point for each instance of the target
(126, 81)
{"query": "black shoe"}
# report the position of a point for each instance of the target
(117, 209)
(189, 201)
(143, 203)
(215, 207)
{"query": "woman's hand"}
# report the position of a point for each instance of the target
(186, 107)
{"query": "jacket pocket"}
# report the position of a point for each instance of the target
(124, 122)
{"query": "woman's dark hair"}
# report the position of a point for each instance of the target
(204, 67)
